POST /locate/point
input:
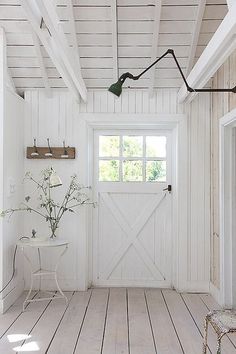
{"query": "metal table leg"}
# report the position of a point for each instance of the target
(55, 273)
(31, 279)
(40, 272)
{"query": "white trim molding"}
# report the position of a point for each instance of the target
(177, 123)
(227, 201)
(215, 292)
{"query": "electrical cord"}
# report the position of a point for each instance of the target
(13, 265)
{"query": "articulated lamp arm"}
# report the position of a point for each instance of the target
(116, 88)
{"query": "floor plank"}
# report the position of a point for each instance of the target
(66, 336)
(91, 336)
(199, 310)
(43, 331)
(140, 331)
(164, 333)
(213, 305)
(187, 331)
(116, 331)
(22, 327)
(112, 321)
(12, 314)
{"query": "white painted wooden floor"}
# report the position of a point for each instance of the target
(111, 321)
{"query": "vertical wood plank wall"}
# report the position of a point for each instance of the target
(12, 167)
(222, 103)
(58, 118)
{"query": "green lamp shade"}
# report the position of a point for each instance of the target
(116, 88)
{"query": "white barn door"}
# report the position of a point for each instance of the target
(132, 231)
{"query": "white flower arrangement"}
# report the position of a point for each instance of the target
(48, 208)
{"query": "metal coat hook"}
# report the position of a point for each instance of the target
(49, 153)
(65, 154)
(35, 152)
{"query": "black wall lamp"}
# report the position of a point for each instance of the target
(116, 88)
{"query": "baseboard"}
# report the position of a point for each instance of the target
(195, 287)
(215, 293)
(11, 297)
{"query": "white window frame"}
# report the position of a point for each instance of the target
(143, 158)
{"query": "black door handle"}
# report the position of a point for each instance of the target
(168, 188)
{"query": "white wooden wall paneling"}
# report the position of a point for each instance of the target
(12, 170)
(59, 118)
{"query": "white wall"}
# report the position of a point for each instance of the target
(12, 172)
(59, 118)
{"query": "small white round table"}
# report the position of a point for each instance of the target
(40, 272)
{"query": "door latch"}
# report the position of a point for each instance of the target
(168, 188)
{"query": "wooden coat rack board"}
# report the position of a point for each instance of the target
(57, 153)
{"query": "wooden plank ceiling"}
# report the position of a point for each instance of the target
(94, 23)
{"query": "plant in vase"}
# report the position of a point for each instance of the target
(48, 208)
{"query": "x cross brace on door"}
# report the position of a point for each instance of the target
(132, 235)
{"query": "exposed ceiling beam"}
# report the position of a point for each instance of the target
(155, 40)
(52, 21)
(114, 39)
(41, 63)
(75, 43)
(220, 47)
(195, 36)
(55, 43)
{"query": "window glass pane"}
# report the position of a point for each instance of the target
(109, 171)
(132, 171)
(109, 145)
(156, 171)
(156, 146)
(132, 146)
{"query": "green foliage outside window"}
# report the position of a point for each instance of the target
(132, 170)
(156, 171)
(109, 146)
(109, 171)
(133, 146)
